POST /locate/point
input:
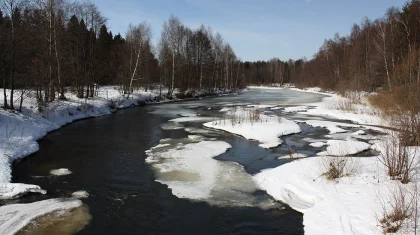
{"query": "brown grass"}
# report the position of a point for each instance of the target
(396, 209)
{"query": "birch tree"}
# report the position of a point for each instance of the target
(138, 39)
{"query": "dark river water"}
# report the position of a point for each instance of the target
(107, 158)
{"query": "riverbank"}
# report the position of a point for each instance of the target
(353, 204)
(19, 131)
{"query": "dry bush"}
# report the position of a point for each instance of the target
(254, 115)
(239, 114)
(396, 209)
(399, 160)
(340, 103)
(338, 167)
(402, 107)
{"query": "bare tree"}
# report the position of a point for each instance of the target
(138, 38)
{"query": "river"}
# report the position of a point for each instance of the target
(107, 158)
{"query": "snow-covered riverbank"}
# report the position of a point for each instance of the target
(19, 132)
(349, 205)
(352, 204)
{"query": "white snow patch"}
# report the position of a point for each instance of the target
(226, 109)
(195, 137)
(333, 127)
(60, 172)
(171, 126)
(344, 147)
(359, 132)
(295, 109)
(293, 156)
(317, 144)
(348, 207)
(191, 172)
(267, 130)
(192, 119)
(15, 190)
(80, 194)
(14, 217)
(262, 106)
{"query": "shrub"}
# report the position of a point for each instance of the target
(112, 104)
(396, 209)
(399, 160)
(338, 167)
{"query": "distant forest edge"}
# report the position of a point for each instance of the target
(49, 46)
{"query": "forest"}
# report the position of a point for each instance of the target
(51, 46)
(54, 46)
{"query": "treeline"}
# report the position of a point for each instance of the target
(56, 46)
(381, 54)
(378, 54)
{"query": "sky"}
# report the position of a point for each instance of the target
(256, 29)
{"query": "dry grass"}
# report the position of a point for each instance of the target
(338, 167)
(396, 209)
(238, 115)
(402, 107)
(399, 160)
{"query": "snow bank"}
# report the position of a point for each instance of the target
(357, 110)
(344, 147)
(266, 130)
(347, 206)
(19, 131)
(15, 190)
(16, 216)
(333, 127)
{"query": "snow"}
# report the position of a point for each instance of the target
(60, 172)
(318, 144)
(14, 217)
(359, 132)
(345, 147)
(295, 109)
(192, 172)
(293, 156)
(80, 194)
(195, 137)
(349, 206)
(15, 190)
(267, 130)
(192, 119)
(336, 106)
(225, 109)
(171, 126)
(19, 131)
(261, 106)
(194, 182)
(333, 127)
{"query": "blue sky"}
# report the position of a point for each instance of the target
(256, 29)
